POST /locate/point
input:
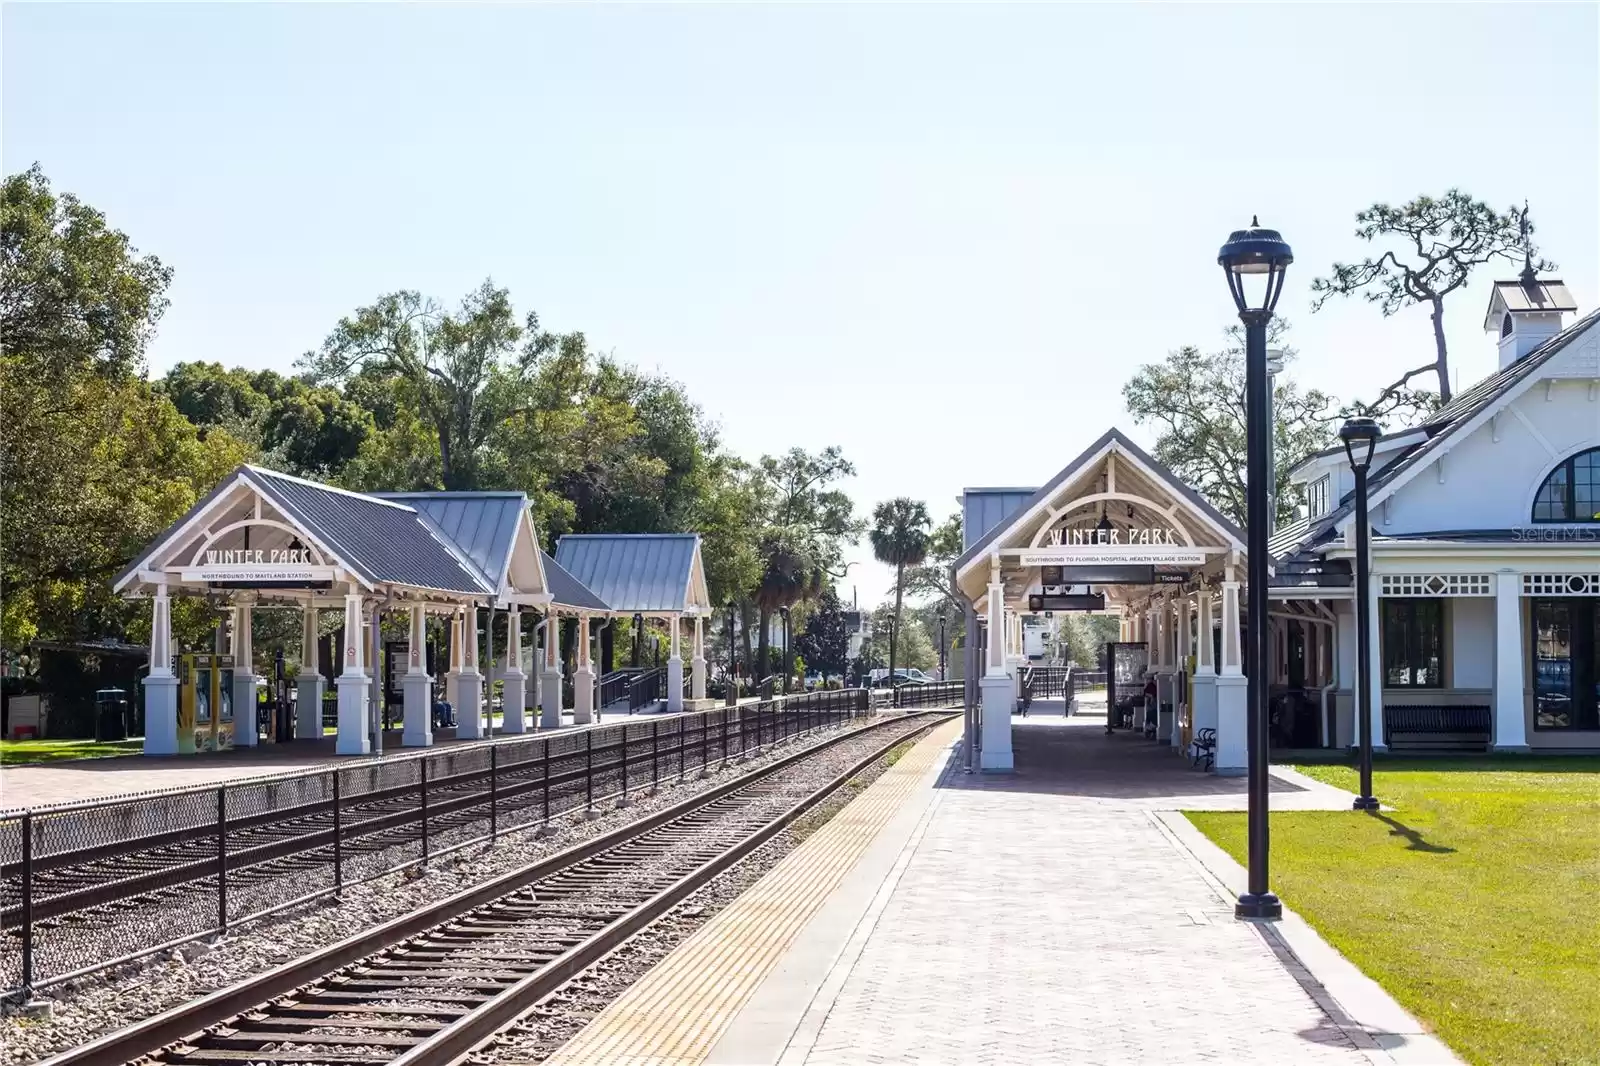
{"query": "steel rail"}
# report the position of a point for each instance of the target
(151, 1035)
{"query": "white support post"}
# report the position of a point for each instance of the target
(453, 659)
(997, 689)
(1181, 710)
(416, 685)
(583, 678)
(1510, 715)
(308, 682)
(161, 685)
(514, 681)
(1203, 715)
(550, 685)
(697, 666)
(352, 683)
(675, 666)
(1233, 704)
(246, 727)
(469, 685)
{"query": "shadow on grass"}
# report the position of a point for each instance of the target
(1415, 840)
(1477, 764)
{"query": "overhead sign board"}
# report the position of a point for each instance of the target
(1111, 555)
(1094, 601)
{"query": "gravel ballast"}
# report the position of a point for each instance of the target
(89, 1007)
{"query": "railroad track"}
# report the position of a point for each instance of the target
(436, 984)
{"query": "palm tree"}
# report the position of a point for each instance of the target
(899, 537)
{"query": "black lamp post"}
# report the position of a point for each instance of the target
(941, 646)
(1360, 436)
(638, 637)
(783, 613)
(1250, 253)
(893, 626)
(733, 658)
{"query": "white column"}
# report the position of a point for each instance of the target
(352, 684)
(1344, 665)
(416, 685)
(996, 687)
(1166, 695)
(1510, 714)
(308, 682)
(1376, 637)
(583, 678)
(246, 730)
(453, 660)
(674, 667)
(1203, 715)
(161, 684)
(550, 686)
(697, 666)
(1233, 715)
(469, 685)
(516, 682)
(1181, 711)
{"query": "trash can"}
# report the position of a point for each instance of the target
(110, 714)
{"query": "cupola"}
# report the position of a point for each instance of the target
(1526, 312)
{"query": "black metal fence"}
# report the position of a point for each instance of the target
(84, 886)
(938, 694)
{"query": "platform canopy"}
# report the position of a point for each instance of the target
(1114, 510)
(652, 574)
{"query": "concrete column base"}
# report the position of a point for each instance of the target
(1511, 749)
(414, 690)
(246, 730)
(515, 718)
(469, 713)
(550, 700)
(353, 693)
(161, 715)
(308, 707)
(452, 690)
(1233, 721)
(1203, 714)
(999, 695)
(583, 695)
(675, 684)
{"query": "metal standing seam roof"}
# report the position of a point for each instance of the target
(482, 525)
(983, 509)
(568, 591)
(385, 541)
(632, 571)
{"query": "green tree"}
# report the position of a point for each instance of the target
(467, 371)
(824, 643)
(1196, 402)
(93, 462)
(1084, 637)
(1439, 241)
(900, 534)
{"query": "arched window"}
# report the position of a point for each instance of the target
(1505, 326)
(1572, 491)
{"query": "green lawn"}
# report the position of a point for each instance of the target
(15, 752)
(1475, 902)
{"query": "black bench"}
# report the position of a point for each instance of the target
(1204, 746)
(1431, 727)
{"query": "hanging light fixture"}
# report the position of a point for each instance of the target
(1103, 527)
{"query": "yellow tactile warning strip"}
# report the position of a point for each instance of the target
(675, 1014)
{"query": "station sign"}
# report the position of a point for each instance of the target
(1071, 556)
(1122, 575)
(1093, 601)
(259, 568)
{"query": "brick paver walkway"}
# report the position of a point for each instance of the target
(1047, 916)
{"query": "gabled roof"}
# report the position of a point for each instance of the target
(568, 591)
(383, 540)
(482, 525)
(634, 571)
(1117, 439)
(1550, 295)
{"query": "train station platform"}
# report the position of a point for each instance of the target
(1064, 913)
(73, 780)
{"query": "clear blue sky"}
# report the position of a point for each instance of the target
(939, 236)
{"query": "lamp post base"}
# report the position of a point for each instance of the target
(1365, 803)
(1264, 907)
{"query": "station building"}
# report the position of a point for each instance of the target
(1485, 570)
(264, 540)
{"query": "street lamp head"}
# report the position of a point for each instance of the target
(783, 612)
(1255, 250)
(1360, 436)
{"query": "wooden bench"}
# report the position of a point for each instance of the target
(1431, 727)
(1204, 746)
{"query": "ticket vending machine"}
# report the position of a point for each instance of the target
(205, 702)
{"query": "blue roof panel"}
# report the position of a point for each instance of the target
(482, 525)
(633, 571)
(568, 591)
